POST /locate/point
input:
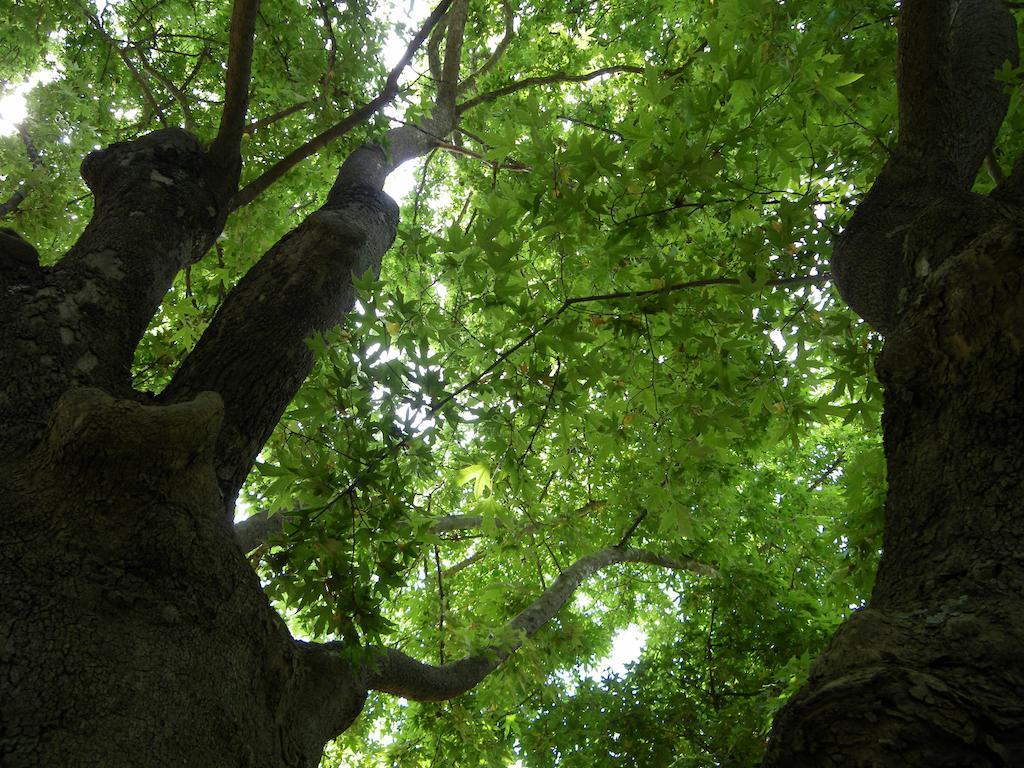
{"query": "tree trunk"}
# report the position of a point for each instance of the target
(931, 673)
(132, 629)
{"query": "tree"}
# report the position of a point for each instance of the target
(601, 337)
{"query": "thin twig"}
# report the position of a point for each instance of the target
(263, 122)
(563, 77)
(547, 321)
(18, 196)
(440, 612)
(499, 50)
(632, 529)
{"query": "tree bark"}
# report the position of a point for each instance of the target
(132, 630)
(931, 672)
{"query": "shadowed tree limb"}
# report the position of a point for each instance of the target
(547, 321)
(263, 122)
(10, 205)
(556, 78)
(254, 353)
(392, 671)
(140, 79)
(226, 146)
(509, 10)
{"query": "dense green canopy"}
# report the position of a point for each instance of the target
(607, 318)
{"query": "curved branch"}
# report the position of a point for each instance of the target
(18, 196)
(263, 122)
(396, 673)
(499, 50)
(552, 79)
(147, 92)
(563, 77)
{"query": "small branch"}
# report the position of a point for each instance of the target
(994, 169)
(252, 190)
(440, 611)
(544, 413)
(563, 77)
(547, 321)
(499, 50)
(448, 87)
(392, 671)
(176, 93)
(508, 165)
(434, 50)
(332, 44)
(258, 529)
(263, 122)
(553, 79)
(147, 92)
(18, 196)
(593, 127)
(827, 472)
(227, 146)
(632, 529)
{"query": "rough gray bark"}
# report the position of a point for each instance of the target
(931, 672)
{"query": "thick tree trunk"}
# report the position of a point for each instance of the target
(931, 673)
(132, 630)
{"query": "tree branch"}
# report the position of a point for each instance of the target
(147, 92)
(563, 77)
(254, 188)
(499, 50)
(226, 147)
(263, 122)
(18, 196)
(176, 93)
(552, 79)
(254, 352)
(392, 671)
(115, 276)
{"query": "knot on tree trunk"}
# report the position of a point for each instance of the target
(166, 170)
(96, 434)
(966, 312)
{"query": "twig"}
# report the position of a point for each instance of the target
(18, 196)
(147, 92)
(584, 123)
(631, 530)
(547, 321)
(263, 122)
(563, 77)
(499, 50)
(440, 612)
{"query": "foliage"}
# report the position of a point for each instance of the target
(585, 323)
